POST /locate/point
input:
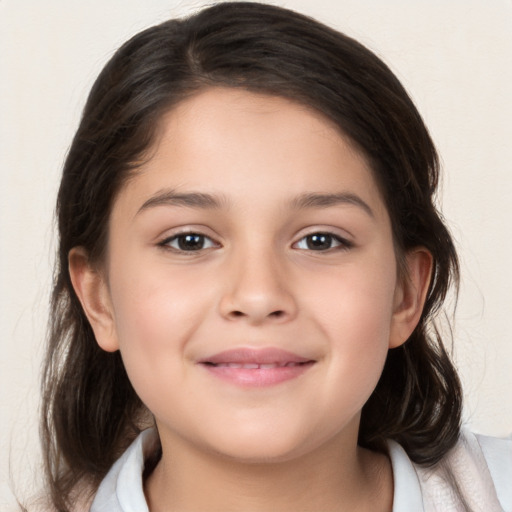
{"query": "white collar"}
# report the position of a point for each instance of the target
(407, 495)
(122, 489)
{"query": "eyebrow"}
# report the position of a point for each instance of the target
(189, 199)
(328, 200)
(209, 202)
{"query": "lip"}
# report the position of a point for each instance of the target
(256, 367)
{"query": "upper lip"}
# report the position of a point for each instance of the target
(255, 356)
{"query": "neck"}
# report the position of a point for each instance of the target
(339, 476)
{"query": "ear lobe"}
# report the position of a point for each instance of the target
(410, 296)
(92, 291)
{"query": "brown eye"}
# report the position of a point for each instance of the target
(319, 242)
(189, 242)
(322, 242)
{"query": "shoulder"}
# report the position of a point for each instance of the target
(80, 500)
(498, 457)
(476, 473)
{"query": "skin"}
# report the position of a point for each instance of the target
(256, 282)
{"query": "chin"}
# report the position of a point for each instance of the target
(261, 447)
(259, 455)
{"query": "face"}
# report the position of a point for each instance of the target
(250, 281)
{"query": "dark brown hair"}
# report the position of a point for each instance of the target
(90, 411)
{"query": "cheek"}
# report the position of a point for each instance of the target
(155, 315)
(355, 311)
(355, 301)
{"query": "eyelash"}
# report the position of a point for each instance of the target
(318, 237)
(181, 237)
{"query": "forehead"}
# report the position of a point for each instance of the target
(232, 142)
(225, 110)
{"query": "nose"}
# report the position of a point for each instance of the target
(257, 290)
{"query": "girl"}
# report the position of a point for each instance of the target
(250, 263)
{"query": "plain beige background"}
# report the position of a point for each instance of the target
(454, 57)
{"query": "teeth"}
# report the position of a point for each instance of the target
(255, 366)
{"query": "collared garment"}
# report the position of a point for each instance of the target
(481, 466)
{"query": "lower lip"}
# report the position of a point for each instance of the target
(258, 377)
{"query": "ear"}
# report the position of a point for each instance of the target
(410, 295)
(92, 290)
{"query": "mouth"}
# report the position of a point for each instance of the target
(256, 368)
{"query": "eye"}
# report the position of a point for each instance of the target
(322, 242)
(188, 242)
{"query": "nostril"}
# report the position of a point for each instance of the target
(274, 314)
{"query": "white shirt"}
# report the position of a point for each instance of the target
(481, 465)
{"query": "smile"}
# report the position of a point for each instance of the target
(256, 368)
